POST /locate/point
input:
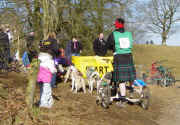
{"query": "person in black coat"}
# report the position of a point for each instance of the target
(99, 46)
(4, 49)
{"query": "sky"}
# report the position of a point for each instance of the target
(173, 40)
(4, 4)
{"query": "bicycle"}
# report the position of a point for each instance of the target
(160, 75)
(168, 78)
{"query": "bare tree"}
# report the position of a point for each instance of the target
(162, 15)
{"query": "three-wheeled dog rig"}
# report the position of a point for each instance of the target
(108, 93)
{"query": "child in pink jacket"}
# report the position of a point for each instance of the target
(47, 68)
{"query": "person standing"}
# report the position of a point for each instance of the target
(76, 47)
(121, 42)
(9, 33)
(30, 40)
(10, 37)
(52, 46)
(99, 45)
(46, 70)
(4, 49)
(68, 52)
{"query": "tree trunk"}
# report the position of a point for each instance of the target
(45, 18)
(164, 38)
(164, 41)
(31, 86)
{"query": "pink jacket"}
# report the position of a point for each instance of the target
(47, 68)
(44, 75)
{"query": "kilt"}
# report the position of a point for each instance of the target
(124, 69)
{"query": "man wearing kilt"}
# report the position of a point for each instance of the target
(121, 42)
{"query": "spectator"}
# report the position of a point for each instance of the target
(76, 47)
(68, 52)
(10, 37)
(53, 45)
(30, 40)
(9, 33)
(50, 45)
(61, 58)
(147, 42)
(25, 59)
(151, 42)
(47, 68)
(30, 46)
(99, 45)
(4, 49)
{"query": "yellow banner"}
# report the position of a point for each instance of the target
(101, 64)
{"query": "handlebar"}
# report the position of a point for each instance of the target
(160, 61)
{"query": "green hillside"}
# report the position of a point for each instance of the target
(146, 54)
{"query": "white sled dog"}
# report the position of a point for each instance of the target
(77, 81)
(93, 79)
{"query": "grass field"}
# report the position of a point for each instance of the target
(146, 54)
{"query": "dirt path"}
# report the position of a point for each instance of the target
(171, 108)
(81, 109)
